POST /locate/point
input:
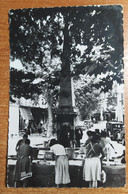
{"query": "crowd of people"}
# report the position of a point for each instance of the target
(92, 165)
(34, 128)
(70, 138)
(96, 147)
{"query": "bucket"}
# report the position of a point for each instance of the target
(45, 144)
(49, 156)
(70, 153)
(35, 153)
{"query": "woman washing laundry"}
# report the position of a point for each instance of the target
(61, 163)
(107, 146)
(92, 164)
(23, 169)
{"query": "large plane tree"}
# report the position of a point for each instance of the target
(47, 41)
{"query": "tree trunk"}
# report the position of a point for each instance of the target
(50, 116)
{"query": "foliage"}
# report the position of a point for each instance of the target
(86, 97)
(48, 40)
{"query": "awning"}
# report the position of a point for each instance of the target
(26, 113)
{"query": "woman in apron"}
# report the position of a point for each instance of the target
(92, 163)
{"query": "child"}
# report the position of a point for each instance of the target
(61, 163)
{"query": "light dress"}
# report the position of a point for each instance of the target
(92, 163)
(107, 148)
(92, 169)
(61, 165)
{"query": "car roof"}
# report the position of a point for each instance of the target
(113, 122)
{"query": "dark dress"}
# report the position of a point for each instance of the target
(23, 164)
(78, 134)
(18, 145)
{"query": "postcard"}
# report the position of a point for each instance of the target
(66, 107)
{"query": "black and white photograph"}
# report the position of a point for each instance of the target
(66, 124)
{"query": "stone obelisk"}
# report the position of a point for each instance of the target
(66, 110)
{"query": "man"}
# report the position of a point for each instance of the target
(78, 135)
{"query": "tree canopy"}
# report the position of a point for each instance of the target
(89, 39)
(87, 98)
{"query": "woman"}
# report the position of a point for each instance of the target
(92, 163)
(107, 146)
(23, 165)
(61, 163)
(20, 143)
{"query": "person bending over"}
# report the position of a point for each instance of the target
(62, 176)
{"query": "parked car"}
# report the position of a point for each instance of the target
(114, 130)
(123, 136)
